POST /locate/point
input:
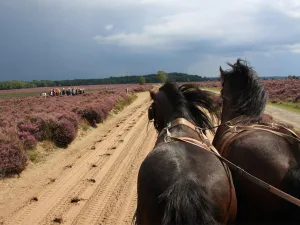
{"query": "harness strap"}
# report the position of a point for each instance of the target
(196, 143)
(260, 127)
(234, 167)
(179, 121)
(247, 175)
(235, 132)
(273, 125)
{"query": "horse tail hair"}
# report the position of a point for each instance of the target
(291, 183)
(186, 203)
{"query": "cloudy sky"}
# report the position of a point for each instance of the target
(60, 39)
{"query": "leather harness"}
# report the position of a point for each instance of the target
(232, 133)
(181, 121)
(236, 131)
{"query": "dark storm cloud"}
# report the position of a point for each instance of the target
(85, 39)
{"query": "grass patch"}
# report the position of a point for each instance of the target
(85, 127)
(295, 107)
(34, 156)
(47, 145)
(124, 102)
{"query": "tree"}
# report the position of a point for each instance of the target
(142, 80)
(162, 76)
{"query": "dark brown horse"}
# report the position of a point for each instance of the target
(269, 156)
(180, 183)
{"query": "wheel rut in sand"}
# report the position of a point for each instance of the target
(101, 182)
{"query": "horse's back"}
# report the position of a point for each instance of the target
(268, 157)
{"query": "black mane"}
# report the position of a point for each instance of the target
(189, 102)
(249, 95)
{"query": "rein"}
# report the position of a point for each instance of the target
(181, 121)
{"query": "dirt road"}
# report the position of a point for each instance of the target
(91, 182)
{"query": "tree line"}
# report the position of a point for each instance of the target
(159, 77)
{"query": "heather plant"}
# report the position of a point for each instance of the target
(283, 89)
(64, 133)
(28, 133)
(45, 123)
(142, 88)
(28, 140)
(71, 116)
(8, 135)
(92, 114)
(12, 158)
(27, 121)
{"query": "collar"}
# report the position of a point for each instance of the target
(176, 122)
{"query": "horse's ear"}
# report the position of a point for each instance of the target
(152, 94)
(221, 70)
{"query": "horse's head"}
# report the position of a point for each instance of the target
(160, 109)
(186, 101)
(241, 92)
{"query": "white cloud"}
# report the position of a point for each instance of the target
(109, 27)
(173, 24)
(295, 48)
(290, 8)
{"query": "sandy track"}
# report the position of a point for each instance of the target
(99, 174)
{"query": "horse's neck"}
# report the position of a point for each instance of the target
(221, 129)
(226, 116)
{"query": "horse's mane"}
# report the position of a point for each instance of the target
(249, 95)
(191, 102)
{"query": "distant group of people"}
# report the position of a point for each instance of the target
(68, 91)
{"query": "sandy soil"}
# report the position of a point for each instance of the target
(93, 181)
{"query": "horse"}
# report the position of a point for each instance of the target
(269, 152)
(181, 181)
